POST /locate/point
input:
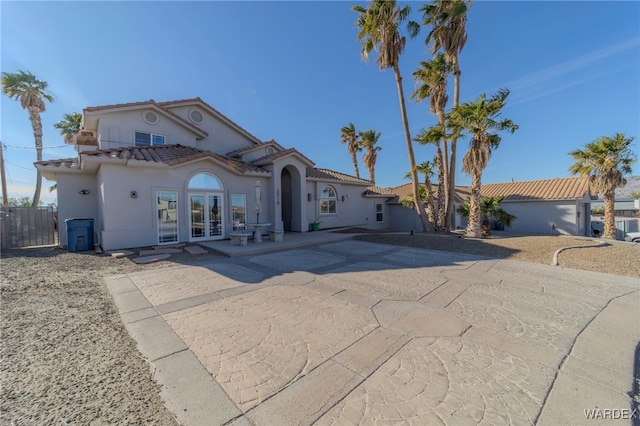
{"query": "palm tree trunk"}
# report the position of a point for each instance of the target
(36, 123)
(440, 222)
(355, 164)
(473, 228)
(486, 225)
(454, 140)
(426, 226)
(431, 208)
(443, 177)
(609, 216)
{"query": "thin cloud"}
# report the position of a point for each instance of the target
(551, 80)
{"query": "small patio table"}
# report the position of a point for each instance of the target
(257, 235)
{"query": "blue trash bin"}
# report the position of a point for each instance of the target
(79, 234)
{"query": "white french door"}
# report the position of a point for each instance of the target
(207, 217)
(167, 208)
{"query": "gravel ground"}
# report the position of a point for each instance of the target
(617, 258)
(66, 358)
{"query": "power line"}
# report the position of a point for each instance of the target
(20, 167)
(33, 147)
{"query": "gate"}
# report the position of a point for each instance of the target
(28, 226)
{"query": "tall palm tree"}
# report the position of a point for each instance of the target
(481, 120)
(32, 94)
(434, 135)
(605, 160)
(448, 21)
(349, 136)
(379, 29)
(69, 126)
(432, 80)
(369, 138)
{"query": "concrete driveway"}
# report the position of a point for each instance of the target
(351, 332)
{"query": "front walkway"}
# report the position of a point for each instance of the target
(350, 332)
(291, 240)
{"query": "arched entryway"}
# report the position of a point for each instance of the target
(290, 189)
(287, 208)
(206, 209)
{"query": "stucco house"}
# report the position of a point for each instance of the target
(549, 206)
(152, 173)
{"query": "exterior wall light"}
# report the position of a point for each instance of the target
(83, 192)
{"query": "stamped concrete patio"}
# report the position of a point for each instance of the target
(350, 332)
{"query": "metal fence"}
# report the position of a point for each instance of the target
(28, 226)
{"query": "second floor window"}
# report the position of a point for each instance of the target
(146, 139)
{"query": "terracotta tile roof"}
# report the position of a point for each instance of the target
(271, 142)
(549, 189)
(269, 158)
(149, 103)
(171, 155)
(326, 174)
(69, 163)
(401, 192)
(378, 192)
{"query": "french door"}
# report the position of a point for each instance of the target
(206, 218)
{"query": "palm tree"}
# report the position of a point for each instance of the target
(433, 136)
(605, 160)
(369, 138)
(427, 169)
(379, 29)
(69, 127)
(489, 208)
(448, 20)
(349, 136)
(32, 94)
(432, 78)
(481, 120)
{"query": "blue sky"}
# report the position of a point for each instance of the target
(292, 71)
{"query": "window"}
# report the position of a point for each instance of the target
(379, 213)
(146, 139)
(205, 181)
(167, 216)
(328, 200)
(238, 211)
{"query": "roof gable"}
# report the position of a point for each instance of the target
(211, 110)
(92, 113)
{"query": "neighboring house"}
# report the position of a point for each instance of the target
(166, 172)
(623, 207)
(538, 205)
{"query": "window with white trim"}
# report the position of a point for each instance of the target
(147, 139)
(379, 213)
(328, 200)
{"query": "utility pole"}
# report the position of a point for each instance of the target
(5, 197)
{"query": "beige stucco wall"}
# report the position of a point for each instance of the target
(352, 210)
(537, 217)
(72, 204)
(222, 137)
(132, 222)
(117, 129)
